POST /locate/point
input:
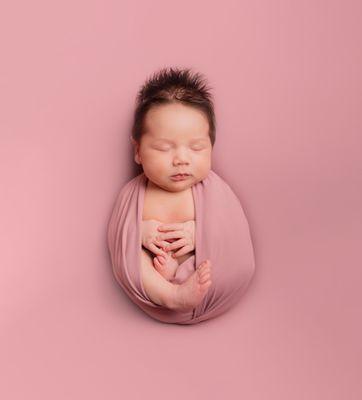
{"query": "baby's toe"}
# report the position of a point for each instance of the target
(204, 277)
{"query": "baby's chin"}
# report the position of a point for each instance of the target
(171, 185)
(179, 186)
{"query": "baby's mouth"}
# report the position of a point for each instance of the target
(181, 175)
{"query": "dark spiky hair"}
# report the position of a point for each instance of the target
(170, 85)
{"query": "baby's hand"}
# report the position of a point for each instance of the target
(149, 233)
(184, 231)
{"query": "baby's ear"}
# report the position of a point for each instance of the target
(137, 159)
(136, 150)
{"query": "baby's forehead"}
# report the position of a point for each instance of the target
(176, 125)
(176, 134)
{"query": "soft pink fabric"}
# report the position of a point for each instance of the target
(222, 236)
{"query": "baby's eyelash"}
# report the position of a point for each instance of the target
(202, 148)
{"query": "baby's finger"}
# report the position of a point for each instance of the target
(161, 243)
(171, 235)
(170, 227)
(156, 250)
(186, 249)
(176, 245)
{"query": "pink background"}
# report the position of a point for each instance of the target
(287, 86)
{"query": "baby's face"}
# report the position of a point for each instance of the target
(176, 140)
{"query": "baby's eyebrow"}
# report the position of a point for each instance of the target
(199, 140)
(163, 140)
(171, 141)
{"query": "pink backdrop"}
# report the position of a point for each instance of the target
(287, 86)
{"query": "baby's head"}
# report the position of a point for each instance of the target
(174, 128)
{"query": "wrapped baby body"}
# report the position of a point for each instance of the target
(222, 236)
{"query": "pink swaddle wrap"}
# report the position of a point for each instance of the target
(221, 235)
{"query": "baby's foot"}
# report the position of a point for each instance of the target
(166, 266)
(190, 293)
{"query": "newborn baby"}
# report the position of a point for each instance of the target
(175, 140)
(170, 221)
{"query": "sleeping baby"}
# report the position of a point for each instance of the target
(178, 237)
(173, 136)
